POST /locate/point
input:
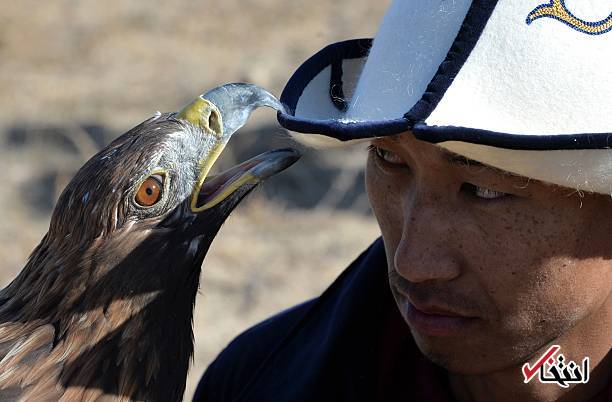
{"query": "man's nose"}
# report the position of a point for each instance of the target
(427, 250)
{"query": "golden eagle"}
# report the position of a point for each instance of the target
(103, 308)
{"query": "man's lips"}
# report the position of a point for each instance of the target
(433, 309)
(435, 319)
(434, 301)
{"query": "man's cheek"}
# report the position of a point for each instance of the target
(514, 296)
(390, 216)
(533, 312)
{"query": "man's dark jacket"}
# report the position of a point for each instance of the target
(349, 344)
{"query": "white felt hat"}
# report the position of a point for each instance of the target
(521, 85)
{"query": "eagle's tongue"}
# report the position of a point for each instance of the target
(216, 188)
(214, 185)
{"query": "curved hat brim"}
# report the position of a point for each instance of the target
(318, 94)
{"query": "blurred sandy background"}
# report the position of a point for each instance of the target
(75, 74)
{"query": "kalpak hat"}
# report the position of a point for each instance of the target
(521, 85)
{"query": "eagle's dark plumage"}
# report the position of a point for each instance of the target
(103, 308)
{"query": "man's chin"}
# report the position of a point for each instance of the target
(480, 352)
(451, 356)
(471, 350)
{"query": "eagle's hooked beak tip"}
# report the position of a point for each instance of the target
(237, 101)
(224, 109)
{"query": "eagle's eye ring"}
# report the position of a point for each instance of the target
(150, 191)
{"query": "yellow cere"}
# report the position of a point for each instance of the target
(204, 114)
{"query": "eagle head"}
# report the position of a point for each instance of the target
(114, 281)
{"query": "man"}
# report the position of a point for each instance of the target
(490, 174)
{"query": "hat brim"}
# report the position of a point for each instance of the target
(318, 93)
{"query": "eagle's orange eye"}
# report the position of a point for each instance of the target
(150, 191)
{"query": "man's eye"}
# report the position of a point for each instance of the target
(483, 192)
(387, 156)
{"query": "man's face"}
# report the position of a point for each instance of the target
(486, 267)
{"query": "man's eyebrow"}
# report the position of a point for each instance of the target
(457, 159)
(463, 161)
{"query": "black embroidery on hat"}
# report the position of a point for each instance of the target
(336, 87)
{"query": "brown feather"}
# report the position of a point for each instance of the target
(103, 308)
(79, 322)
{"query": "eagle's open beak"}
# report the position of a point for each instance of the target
(217, 188)
(219, 113)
